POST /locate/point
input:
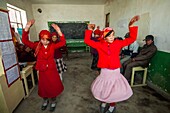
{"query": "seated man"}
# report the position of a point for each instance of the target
(130, 51)
(142, 59)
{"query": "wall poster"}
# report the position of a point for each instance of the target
(8, 52)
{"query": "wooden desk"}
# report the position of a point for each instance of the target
(28, 70)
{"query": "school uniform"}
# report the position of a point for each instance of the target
(110, 86)
(49, 85)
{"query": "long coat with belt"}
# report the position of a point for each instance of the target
(49, 85)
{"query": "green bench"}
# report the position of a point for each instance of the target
(77, 45)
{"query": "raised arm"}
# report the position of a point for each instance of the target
(88, 35)
(62, 41)
(133, 32)
(25, 38)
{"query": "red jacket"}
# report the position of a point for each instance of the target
(45, 57)
(57, 52)
(109, 53)
(49, 84)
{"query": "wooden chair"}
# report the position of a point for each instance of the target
(139, 68)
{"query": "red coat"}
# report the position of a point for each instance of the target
(49, 84)
(57, 53)
(109, 53)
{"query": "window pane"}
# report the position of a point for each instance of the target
(18, 16)
(12, 15)
(14, 25)
(19, 26)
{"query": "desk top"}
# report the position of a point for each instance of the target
(31, 63)
(26, 69)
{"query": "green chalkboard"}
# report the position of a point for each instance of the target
(71, 30)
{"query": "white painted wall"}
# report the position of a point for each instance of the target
(92, 13)
(154, 19)
(3, 5)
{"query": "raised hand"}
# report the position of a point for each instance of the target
(91, 26)
(57, 28)
(133, 20)
(29, 24)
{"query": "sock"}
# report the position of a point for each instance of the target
(53, 104)
(45, 102)
(111, 108)
(103, 105)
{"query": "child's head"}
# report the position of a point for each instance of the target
(108, 34)
(21, 47)
(54, 36)
(44, 37)
(149, 39)
(97, 33)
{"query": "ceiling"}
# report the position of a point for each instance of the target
(86, 2)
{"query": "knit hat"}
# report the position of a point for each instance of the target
(107, 31)
(44, 32)
(97, 32)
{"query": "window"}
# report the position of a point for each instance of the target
(17, 18)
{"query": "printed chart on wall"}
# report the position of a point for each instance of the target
(7, 48)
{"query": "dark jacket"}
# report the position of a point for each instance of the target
(93, 50)
(146, 53)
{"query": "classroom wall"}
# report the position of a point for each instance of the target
(24, 5)
(92, 13)
(3, 4)
(154, 20)
(154, 14)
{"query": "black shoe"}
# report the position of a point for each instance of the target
(104, 109)
(52, 108)
(114, 111)
(43, 107)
